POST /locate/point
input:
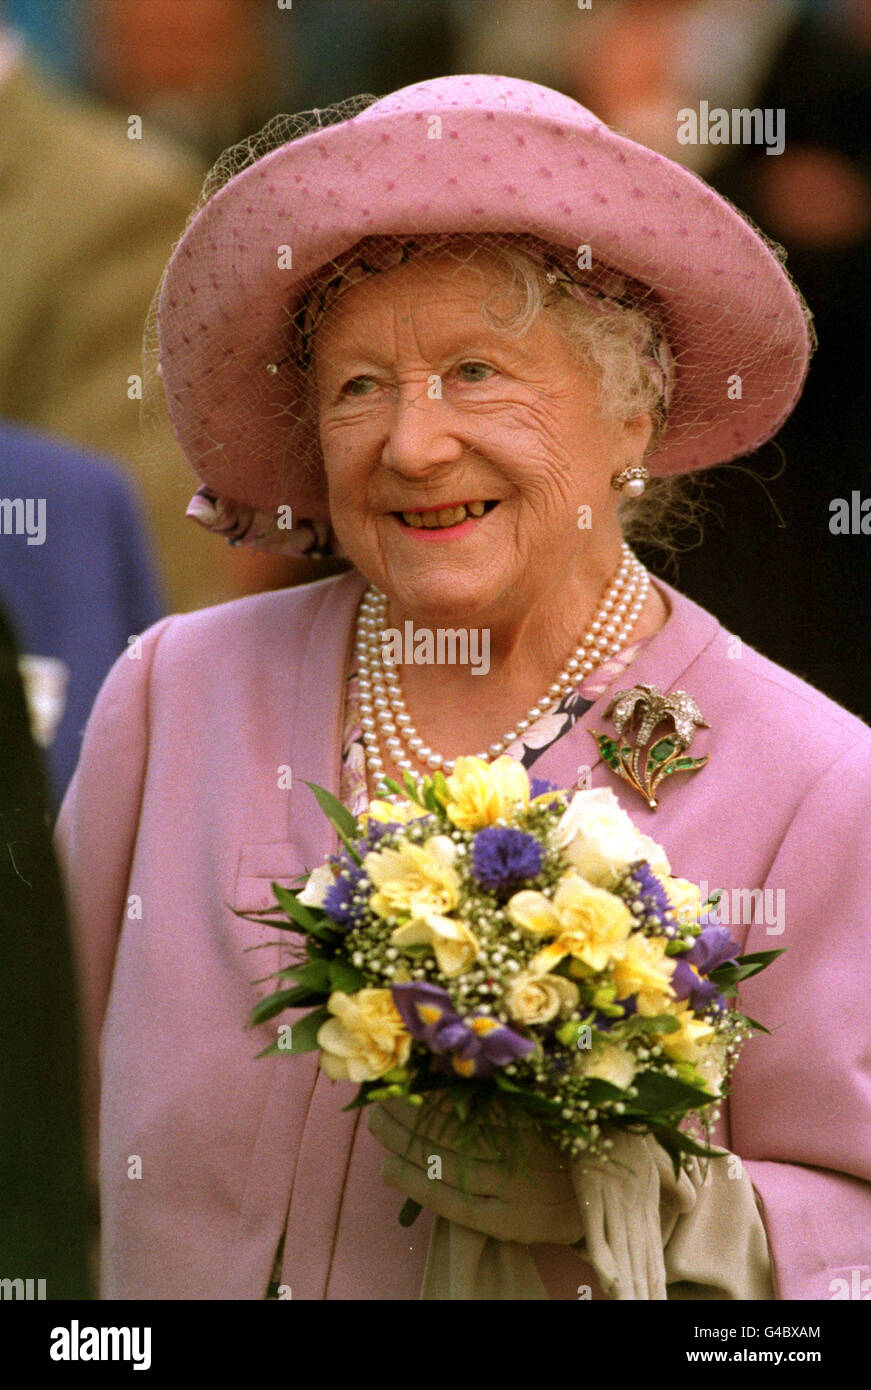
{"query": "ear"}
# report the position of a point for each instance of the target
(634, 435)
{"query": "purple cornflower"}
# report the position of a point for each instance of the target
(502, 858)
(477, 1044)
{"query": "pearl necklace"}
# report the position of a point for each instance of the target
(383, 708)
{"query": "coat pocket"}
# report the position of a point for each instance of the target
(259, 867)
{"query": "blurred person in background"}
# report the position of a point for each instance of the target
(87, 219)
(639, 63)
(78, 589)
(203, 71)
(44, 1217)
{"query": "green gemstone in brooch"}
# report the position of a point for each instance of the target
(638, 761)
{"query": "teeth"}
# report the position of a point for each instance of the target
(445, 516)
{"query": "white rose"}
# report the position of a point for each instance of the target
(316, 889)
(535, 998)
(609, 1062)
(597, 837)
(654, 854)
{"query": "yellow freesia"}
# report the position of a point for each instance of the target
(365, 1039)
(479, 793)
(691, 1042)
(533, 913)
(391, 813)
(643, 968)
(588, 923)
(414, 880)
(453, 944)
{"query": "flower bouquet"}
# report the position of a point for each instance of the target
(516, 956)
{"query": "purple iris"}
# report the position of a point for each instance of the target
(713, 946)
(477, 1044)
(502, 858)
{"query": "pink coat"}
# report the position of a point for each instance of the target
(177, 814)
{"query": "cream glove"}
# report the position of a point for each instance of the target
(644, 1229)
(630, 1202)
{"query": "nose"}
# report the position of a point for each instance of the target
(421, 434)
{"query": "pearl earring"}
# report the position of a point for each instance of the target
(633, 479)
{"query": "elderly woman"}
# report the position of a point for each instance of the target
(451, 335)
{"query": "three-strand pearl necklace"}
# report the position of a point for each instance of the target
(383, 709)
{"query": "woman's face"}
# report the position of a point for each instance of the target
(457, 457)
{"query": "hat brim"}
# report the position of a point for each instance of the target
(737, 328)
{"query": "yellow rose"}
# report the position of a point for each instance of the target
(644, 969)
(535, 998)
(590, 924)
(414, 880)
(608, 1062)
(689, 1043)
(453, 945)
(480, 793)
(684, 899)
(365, 1039)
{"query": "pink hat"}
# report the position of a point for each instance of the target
(469, 154)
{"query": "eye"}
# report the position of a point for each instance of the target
(475, 371)
(358, 386)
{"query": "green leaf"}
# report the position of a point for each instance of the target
(440, 785)
(660, 1023)
(676, 1142)
(409, 1212)
(763, 958)
(598, 1091)
(337, 814)
(408, 788)
(291, 907)
(279, 922)
(314, 974)
(304, 1033)
(275, 1004)
(344, 976)
(313, 925)
(754, 1024)
(744, 967)
(658, 1094)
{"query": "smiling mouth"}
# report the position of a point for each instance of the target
(440, 518)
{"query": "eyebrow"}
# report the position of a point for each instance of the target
(483, 341)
